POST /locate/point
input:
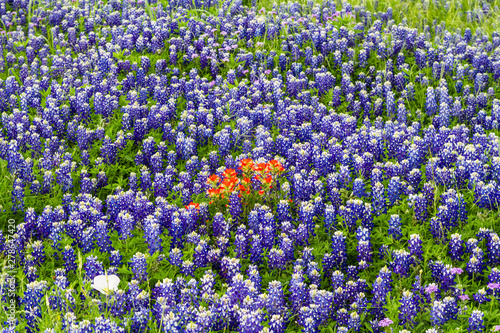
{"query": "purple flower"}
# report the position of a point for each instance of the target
(431, 288)
(493, 285)
(385, 322)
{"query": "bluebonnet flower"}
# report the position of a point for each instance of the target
(38, 253)
(105, 325)
(475, 266)
(18, 196)
(314, 275)
(115, 258)
(493, 249)
(30, 270)
(481, 296)
(415, 246)
(256, 250)
(241, 245)
(450, 308)
(63, 175)
(87, 185)
(394, 190)
(283, 211)
(330, 217)
(200, 256)
(428, 192)
(364, 245)
(276, 300)
(455, 247)
(437, 229)
(69, 258)
(136, 295)
(230, 267)
(419, 204)
(306, 216)
(408, 309)
(438, 316)
(298, 289)
(251, 321)
(379, 199)
(359, 188)
(152, 234)
(471, 245)
(276, 324)
(380, 289)
(395, 226)
(221, 227)
(2, 242)
(102, 237)
(339, 250)
(402, 262)
(354, 322)
(353, 271)
(139, 267)
(415, 177)
(476, 323)
(31, 300)
(235, 207)
(268, 230)
(125, 224)
(93, 267)
(140, 320)
(146, 182)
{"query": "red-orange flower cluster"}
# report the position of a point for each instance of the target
(267, 173)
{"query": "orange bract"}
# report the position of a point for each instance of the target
(274, 165)
(246, 165)
(260, 167)
(229, 183)
(229, 173)
(213, 191)
(193, 205)
(213, 179)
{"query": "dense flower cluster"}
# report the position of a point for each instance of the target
(241, 169)
(254, 183)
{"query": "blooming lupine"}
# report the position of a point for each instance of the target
(476, 321)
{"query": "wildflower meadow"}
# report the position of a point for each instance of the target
(195, 166)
